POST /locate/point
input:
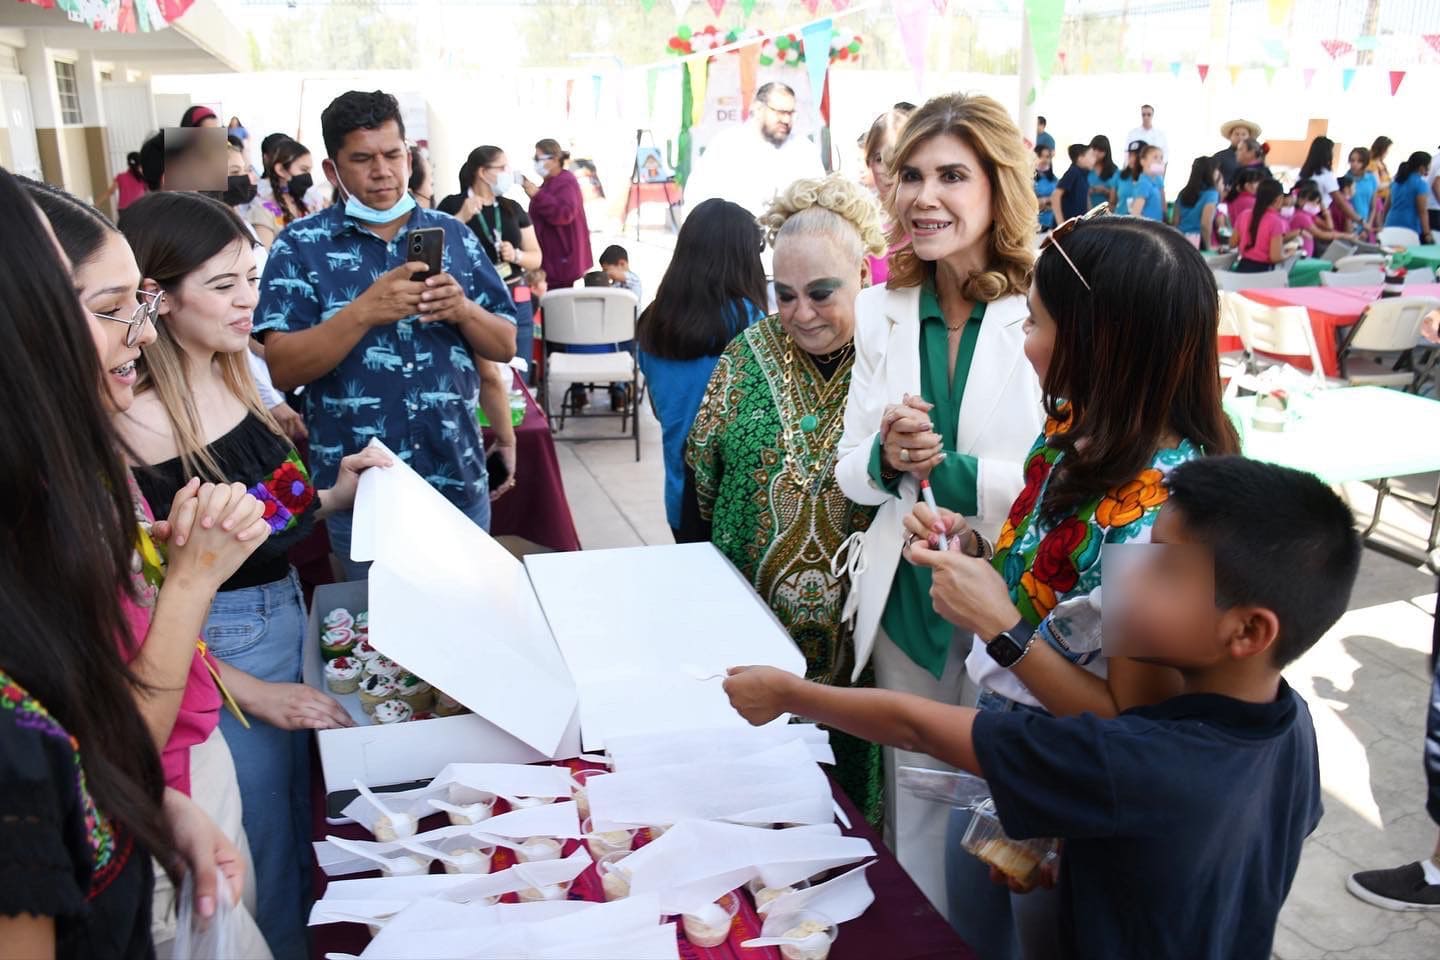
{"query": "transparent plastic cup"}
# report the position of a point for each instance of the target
(582, 779)
(1019, 860)
(764, 896)
(553, 891)
(614, 876)
(606, 841)
(815, 931)
(710, 926)
(536, 849)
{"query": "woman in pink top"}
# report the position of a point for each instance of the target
(209, 532)
(1260, 232)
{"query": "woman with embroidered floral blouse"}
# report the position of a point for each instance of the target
(83, 799)
(1122, 332)
(196, 413)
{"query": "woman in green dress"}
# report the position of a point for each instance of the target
(760, 460)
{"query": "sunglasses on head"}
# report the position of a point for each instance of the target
(1068, 227)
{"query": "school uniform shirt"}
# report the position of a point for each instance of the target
(1328, 184)
(1190, 217)
(1124, 189)
(1045, 184)
(1183, 821)
(1099, 186)
(1043, 139)
(1152, 190)
(1271, 225)
(1364, 197)
(412, 385)
(1076, 184)
(1303, 221)
(1402, 203)
(1243, 203)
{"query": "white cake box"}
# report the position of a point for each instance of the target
(610, 642)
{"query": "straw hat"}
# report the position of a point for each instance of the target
(1250, 125)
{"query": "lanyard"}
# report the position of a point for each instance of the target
(495, 234)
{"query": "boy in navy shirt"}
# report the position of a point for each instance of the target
(1072, 194)
(1182, 821)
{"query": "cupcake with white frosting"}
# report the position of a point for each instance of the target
(342, 675)
(392, 711)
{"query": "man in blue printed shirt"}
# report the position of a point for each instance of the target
(382, 355)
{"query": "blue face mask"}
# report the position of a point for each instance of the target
(365, 214)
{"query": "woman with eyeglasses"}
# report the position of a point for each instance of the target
(505, 232)
(939, 394)
(1122, 324)
(210, 531)
(196, 413)
(557, 208)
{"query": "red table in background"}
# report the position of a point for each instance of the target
(535, 509)
(900, 924)
(1331, 309)
(668, 193)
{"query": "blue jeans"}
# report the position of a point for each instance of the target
(261, 631)
(339, 525)
(996, 923)
(525, 338)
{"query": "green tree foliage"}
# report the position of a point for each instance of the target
(342, 36)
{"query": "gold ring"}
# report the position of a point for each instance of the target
(904, 455)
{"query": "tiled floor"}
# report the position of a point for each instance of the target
(1366, 682)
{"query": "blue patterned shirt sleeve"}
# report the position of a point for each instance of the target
(289, 299)
(476, 274)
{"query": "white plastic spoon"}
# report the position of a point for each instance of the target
(401, 824)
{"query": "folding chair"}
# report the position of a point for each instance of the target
(1398, 237)
(1223, 262)
(1339, 250)
(1229, 280)
(592, 316)
(1353, 278)
(1271, 334)
(1387, 332)
(1360, 261)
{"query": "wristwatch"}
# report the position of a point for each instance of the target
(1011, 646)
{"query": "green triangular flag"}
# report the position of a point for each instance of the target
(647, 5)
(747, 7)
(1044, 17)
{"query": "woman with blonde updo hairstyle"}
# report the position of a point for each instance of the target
(941, 392)
(760, 461)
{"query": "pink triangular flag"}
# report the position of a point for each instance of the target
(1204, 69)
(840, 4)
(1309, 73)
(1149, 64)
(1396, 78)
(812, 5)
(912, 16)
(717, 6)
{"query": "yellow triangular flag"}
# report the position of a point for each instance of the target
(1235, 76)
(699, 68)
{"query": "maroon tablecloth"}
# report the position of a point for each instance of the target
(900, 924)
(535, 509)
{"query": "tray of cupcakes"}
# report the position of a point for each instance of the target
(386, 692)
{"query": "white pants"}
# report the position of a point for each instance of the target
(214, 788)
(914, 828)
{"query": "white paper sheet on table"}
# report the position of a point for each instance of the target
(668, 608)
(778, 785)
(695, 862)
(508, 779)
(841, 898)
(678, 747)
(439, 577)
(627, 929)
(346, 896)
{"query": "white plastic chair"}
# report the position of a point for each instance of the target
(1398, 237)
(1360, 261)
(1271, 334)
(1353, 278)
(592, 316)
(1223, 262)
(1229, 280)
(1388, 328)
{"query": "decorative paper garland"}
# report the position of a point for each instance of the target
(786, 49)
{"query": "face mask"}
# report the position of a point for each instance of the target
(504, 183)
(299, 185)
(354, 208)
(1287, 212)
(1155, 169)
(540, 169)
(1312, 208)
(238, 191)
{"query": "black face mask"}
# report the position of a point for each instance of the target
(299, 185)
(238, 191)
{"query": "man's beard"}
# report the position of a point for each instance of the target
(774, 136)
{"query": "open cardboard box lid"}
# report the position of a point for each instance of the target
(620, 634)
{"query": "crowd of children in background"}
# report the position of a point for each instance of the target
(1215, 208)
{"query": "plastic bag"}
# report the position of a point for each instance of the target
(197, 938)
(948, 787)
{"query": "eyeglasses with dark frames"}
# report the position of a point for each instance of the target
(1068, 227)
(147, 309)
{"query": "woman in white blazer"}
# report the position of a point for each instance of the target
(940, 390)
